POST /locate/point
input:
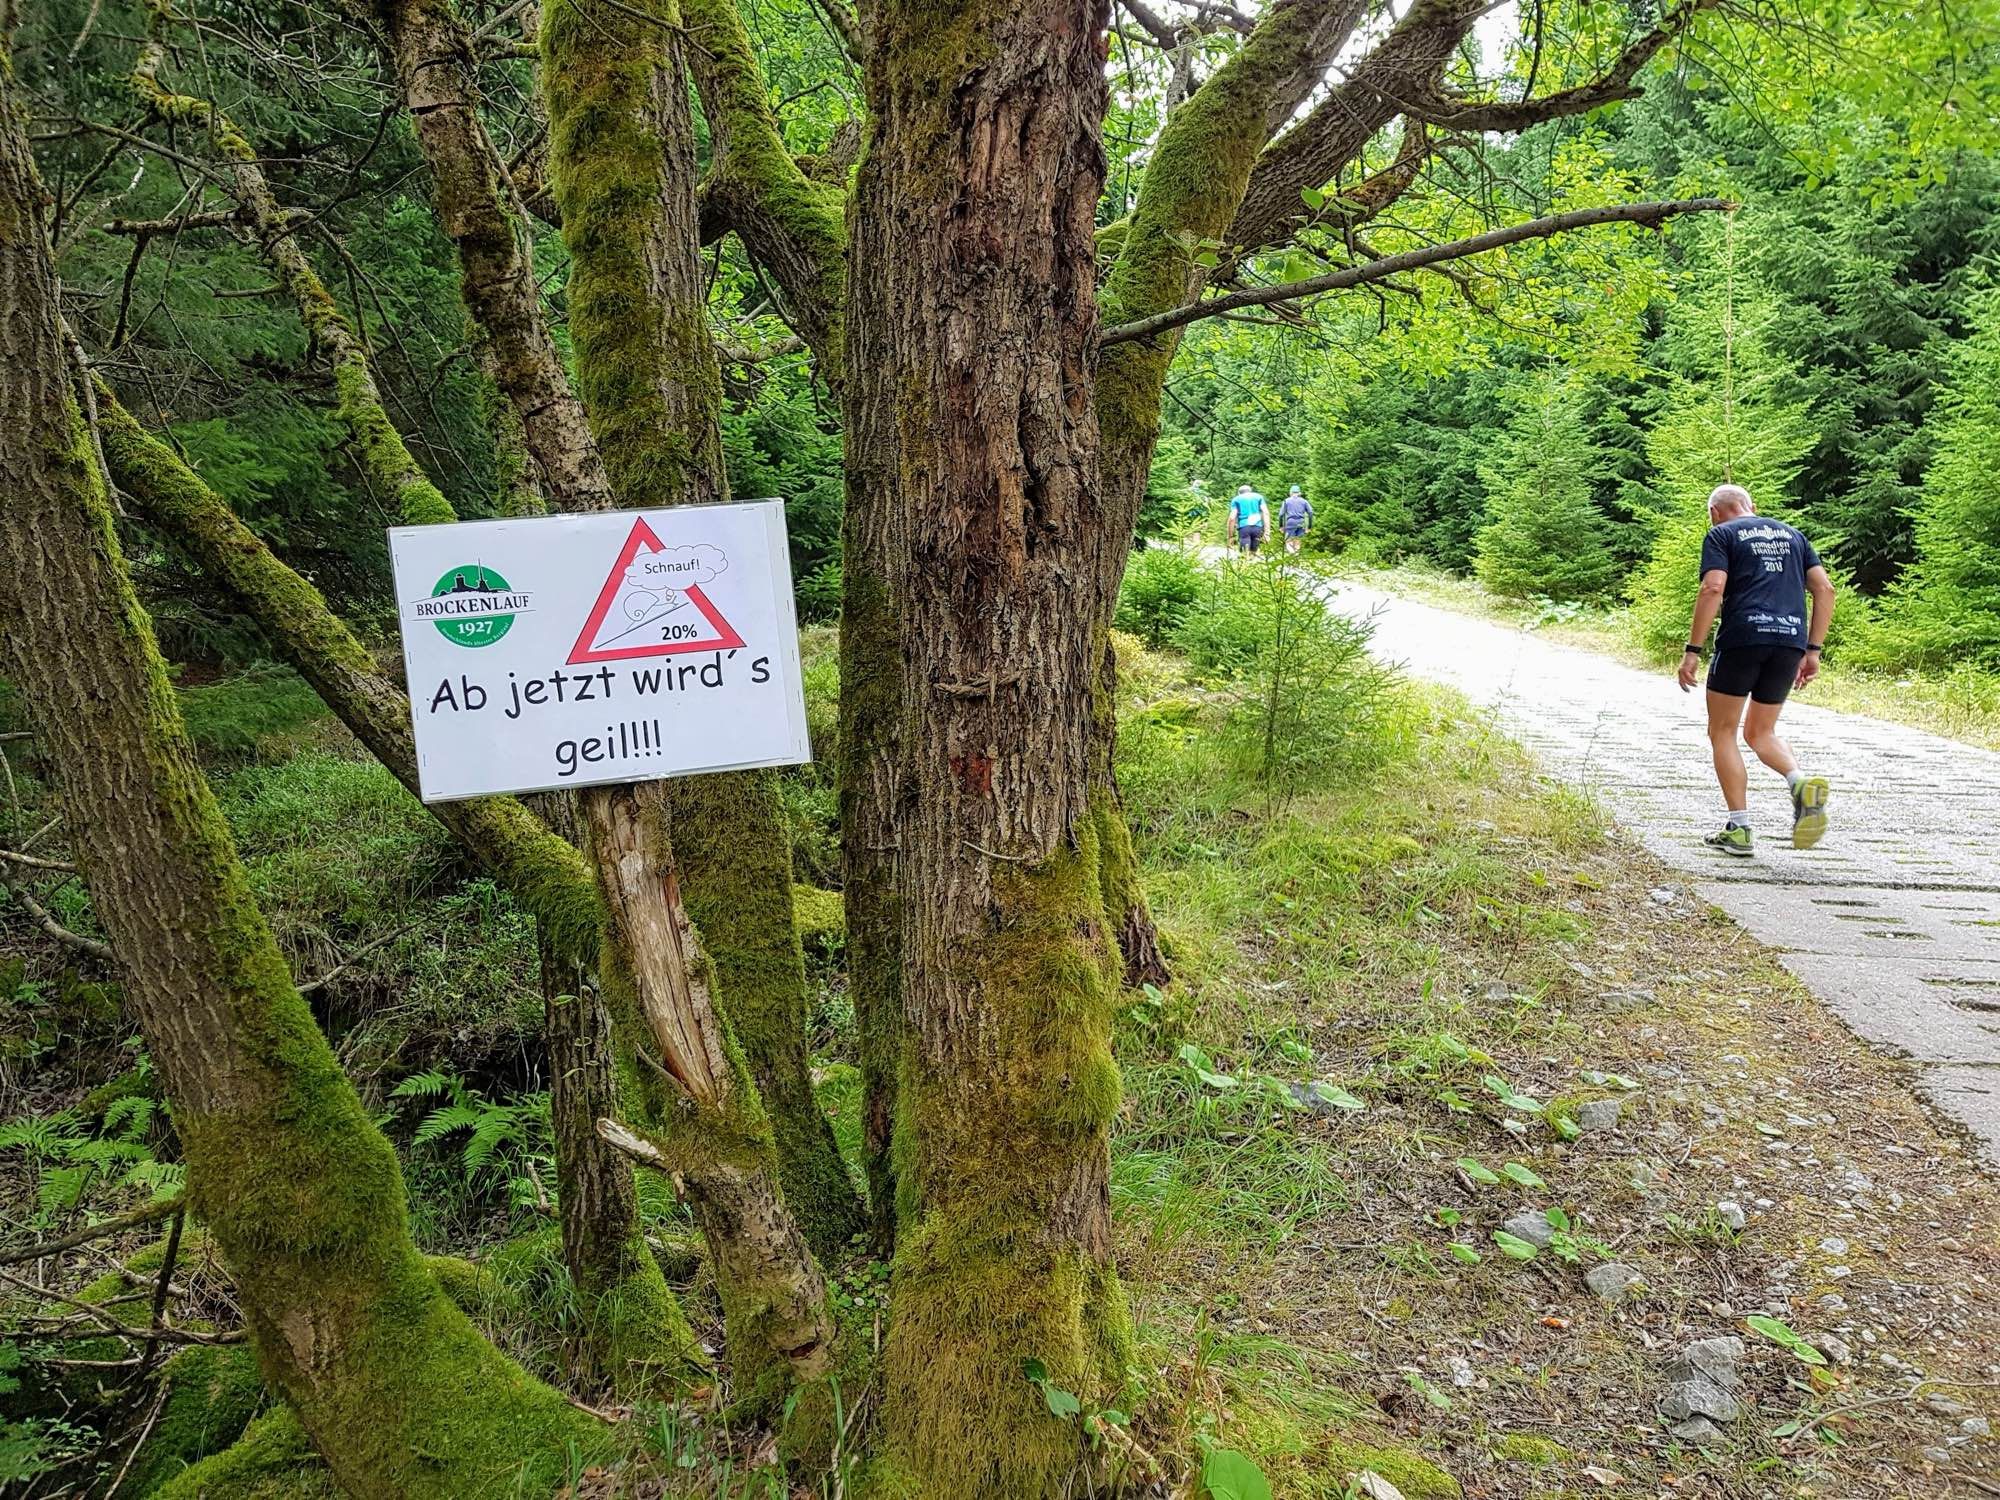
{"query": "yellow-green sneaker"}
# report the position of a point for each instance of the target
(1734, 839)
(1809, 799)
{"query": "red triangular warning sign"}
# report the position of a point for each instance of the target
(651, 615)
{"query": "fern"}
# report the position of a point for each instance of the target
(429, 1085)
(496, 1134)
(447, 1118)
(43, 1135)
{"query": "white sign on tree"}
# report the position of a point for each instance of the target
(578, 650)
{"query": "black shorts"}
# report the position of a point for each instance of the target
(1766, 673)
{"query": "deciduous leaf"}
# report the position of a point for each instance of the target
(1228, 1475)
(1514, 1245)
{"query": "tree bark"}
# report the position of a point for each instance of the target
(985, 167)
(622, 156)
(649, 376)
(871, 674)
(400, 1393)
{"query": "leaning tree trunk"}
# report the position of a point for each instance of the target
(986, 167)
(302, 1193)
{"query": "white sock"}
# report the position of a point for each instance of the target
(1794, 778)
(1739, 819)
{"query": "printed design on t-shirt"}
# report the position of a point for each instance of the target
(1772, 545)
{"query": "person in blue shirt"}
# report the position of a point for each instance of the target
(1295, 514)
(1756, 574)
(1250, 518)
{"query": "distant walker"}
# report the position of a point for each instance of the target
(1295, 518)
(1756, 574)
(1251, 518)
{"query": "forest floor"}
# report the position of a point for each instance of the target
(1481, 968)
(1463, 1119)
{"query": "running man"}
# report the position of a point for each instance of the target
(1295, 514)
(1248, 514)
(1756, 574)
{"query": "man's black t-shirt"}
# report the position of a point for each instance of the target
(1767, 562)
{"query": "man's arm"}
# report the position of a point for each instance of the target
(1819, 586)
(1707, 605)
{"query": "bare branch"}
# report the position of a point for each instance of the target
(1401, 75)
(1651, 214)
(146, 1214)
(1612, 86)
(634, 1145)
(46, 920)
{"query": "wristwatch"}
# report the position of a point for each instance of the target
(1693, 649)
(1814, 646)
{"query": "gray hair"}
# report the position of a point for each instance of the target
(1729, 497)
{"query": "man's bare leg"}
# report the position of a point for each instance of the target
(1809, 793)
(1760, 729)
(1724, 714)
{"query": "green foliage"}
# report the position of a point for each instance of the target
(501, 1144)
(1310, 705)
(1948, 611)
(1544, 536)
(263, 712)
(1228, 1475)
(75, 1167)
(1161, 588)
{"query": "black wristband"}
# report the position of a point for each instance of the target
(1693, 649)
(1811, 647)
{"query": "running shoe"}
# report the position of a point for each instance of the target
(1733, 839)
(1809, 811)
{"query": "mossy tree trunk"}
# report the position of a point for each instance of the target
(623, 165)
(984, 170)
(871, 683)
(540, 868)
(622, 158)
(400, 1393)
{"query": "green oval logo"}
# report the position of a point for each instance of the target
(473, 606)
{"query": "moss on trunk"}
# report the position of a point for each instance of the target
(622, 157)
(1009, 1258)
(299, 1189)
(273, 1460)
(731, 838)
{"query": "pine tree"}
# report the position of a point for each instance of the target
(1949, 609)
(1544, 537)
(1725, 419)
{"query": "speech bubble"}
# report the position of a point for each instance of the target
(674, 569)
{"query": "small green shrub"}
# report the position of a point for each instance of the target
(1311, 704)
(1162, 585)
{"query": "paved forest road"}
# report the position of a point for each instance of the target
(1894, 920)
